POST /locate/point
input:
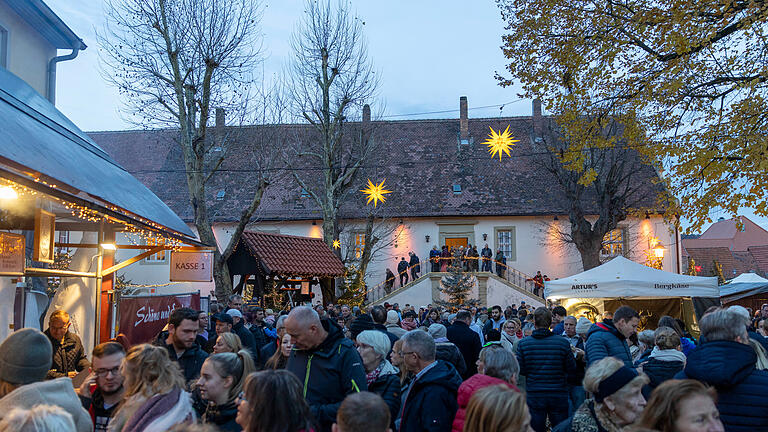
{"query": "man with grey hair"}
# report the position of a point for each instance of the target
(326, 363)
(429, 402)
(727, 362)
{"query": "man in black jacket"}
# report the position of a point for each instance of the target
(546, 361)
(466, 339)
(245, 335)
(402, 270)
(429, 403)
(180, 342)
(326, 363)
(68, 353)
(379, 316)
(415, 266)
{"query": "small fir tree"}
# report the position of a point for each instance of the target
(457, 285)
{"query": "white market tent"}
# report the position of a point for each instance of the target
(623, 278)
(742, 286)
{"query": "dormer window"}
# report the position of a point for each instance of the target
(304, 193)
(220, 195)
(456, 189)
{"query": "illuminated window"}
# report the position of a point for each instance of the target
(158, 257)
(614, 243)
(359, 244)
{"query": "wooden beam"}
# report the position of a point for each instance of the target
(130, 261)
(34, 271)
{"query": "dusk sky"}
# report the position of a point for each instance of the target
(428, 53)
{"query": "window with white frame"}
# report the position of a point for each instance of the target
(505, 240)
(158, 257)
(614, 243)
(63, 237)
(359, 244)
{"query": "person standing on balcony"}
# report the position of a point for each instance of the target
(487, 254)
(445, 258)
(402, 270)
(415, 266)
(501, 263)
(434, 258)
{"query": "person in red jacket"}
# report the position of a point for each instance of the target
(494, 366)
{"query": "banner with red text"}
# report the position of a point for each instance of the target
(142, 318)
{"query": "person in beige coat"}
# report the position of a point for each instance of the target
(25, 358)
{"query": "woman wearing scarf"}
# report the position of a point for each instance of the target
(618, 401)
(665, 361)
(383, 378)
(409, 322)
(512, 333)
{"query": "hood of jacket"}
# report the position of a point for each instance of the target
(331, 342)
(605, 326)
(59, 392)
(442, 374)
(721, 363)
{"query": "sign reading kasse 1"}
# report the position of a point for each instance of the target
(191, 266)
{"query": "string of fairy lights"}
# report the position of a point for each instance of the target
(136, 235)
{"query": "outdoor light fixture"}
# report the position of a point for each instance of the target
(401, 221)
(426, 237)
(108, 246)
(658, 251)
(8, 193)
(485, 236)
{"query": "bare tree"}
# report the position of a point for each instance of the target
(175, 61)
(610, 184)
(329, 82)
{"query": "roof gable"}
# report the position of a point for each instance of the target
(292, 255)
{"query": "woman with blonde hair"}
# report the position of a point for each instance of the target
(155, 399)
(227, 342)
(497, 408)
(221, 381)
(618, 399)
(682, 406)
(38, 418)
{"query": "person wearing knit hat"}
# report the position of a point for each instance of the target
(393, 324)
(582, 326)
(383, 378)
(25, 359)
(447, 350)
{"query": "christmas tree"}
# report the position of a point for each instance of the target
(457, 285)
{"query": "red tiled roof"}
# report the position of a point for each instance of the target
(292, 255)
(421, 160)
(760, 255)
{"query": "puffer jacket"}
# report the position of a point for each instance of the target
(68, 355)
(659, 371)
(467, 389)
(430, 404)
(329, 373)
(730, 368)
(387, 385)
(449, 352)
(603, 340)
(546, 361)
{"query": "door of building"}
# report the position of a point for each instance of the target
(456, 241)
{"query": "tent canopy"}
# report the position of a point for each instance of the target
(623, 278)
(744, 285)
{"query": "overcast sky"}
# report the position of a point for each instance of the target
(428, 54)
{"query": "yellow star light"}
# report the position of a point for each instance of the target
(499, 142)
(336, 244)
(375, 192)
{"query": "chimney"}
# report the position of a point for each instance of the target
(537, 121)
(366, 115)
(463, 120)
(221, 117)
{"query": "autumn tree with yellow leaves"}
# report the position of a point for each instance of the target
(691, 74)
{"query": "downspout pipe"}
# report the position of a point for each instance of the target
(51, 90)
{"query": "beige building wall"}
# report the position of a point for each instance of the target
(27, 53)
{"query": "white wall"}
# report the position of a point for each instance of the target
(502, 295)
(534, 249)
(28, 52)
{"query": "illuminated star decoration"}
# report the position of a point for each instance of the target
(336, 244)
(375, 192)
(499, 142)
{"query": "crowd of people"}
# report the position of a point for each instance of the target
(341, 369)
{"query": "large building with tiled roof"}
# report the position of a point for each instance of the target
(738, 248)
(446, 189)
